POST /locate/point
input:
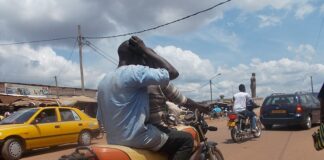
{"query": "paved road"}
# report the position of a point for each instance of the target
(281, 143)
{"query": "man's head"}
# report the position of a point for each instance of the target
(128, 57)
(241, 88)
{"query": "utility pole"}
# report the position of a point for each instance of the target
(57, 92)
(312, 84)
(80, 54)
(211, 91)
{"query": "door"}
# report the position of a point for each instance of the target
(71, 124)
(47, 129)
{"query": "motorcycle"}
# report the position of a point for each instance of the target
(195, 125)
(240, 126)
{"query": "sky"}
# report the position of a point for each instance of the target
(280, 41)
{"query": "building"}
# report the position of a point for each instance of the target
(36, 90)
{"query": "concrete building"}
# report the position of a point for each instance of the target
(36, 90)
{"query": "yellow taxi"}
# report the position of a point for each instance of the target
(44, 127)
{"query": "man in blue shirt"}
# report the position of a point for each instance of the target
(123, 101)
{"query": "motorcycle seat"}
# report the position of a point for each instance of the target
(117, 152)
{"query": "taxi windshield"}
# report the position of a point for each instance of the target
(19, 117)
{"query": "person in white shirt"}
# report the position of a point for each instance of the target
(240, 100)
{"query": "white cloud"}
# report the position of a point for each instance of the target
(191, 67)
(303, 52)
(27, 65)
(228, 39)
(38, 19)
(39, 66)
(283, 75)
(266, 21)
(303, 10)
(252, 5)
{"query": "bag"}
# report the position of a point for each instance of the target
(78, 154)
(318, 138)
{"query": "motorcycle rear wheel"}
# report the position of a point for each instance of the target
(235, 135)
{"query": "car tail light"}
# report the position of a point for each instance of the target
(232, 116)
(299, 108)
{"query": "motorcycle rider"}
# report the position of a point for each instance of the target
(240, 101)
(123, 101)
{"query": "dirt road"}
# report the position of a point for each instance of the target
(281, 143)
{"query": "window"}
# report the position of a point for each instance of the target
(281, 100)
(19, 117)
(47, 116)
(69, 115)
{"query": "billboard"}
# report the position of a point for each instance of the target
(26, 90)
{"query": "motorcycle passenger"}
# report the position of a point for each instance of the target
(240, 101)
(123, 101)
(159, 109)
(159, 95)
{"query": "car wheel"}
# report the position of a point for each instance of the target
(12, 149)
(267, 126)
(308, 123)
(85, 138)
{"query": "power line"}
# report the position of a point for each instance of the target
(102, 54)
(119, 35)
(159, 26)
(90, 43)
(37, 41)
(70, 56)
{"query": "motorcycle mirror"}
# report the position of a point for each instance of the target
(212, 128)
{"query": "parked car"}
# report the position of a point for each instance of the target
(300, 108)
(44, 127)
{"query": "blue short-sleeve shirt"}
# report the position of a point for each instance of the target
(123, 104)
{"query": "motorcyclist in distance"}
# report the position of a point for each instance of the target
(240, 105)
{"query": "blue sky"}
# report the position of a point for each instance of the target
(281, 41)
